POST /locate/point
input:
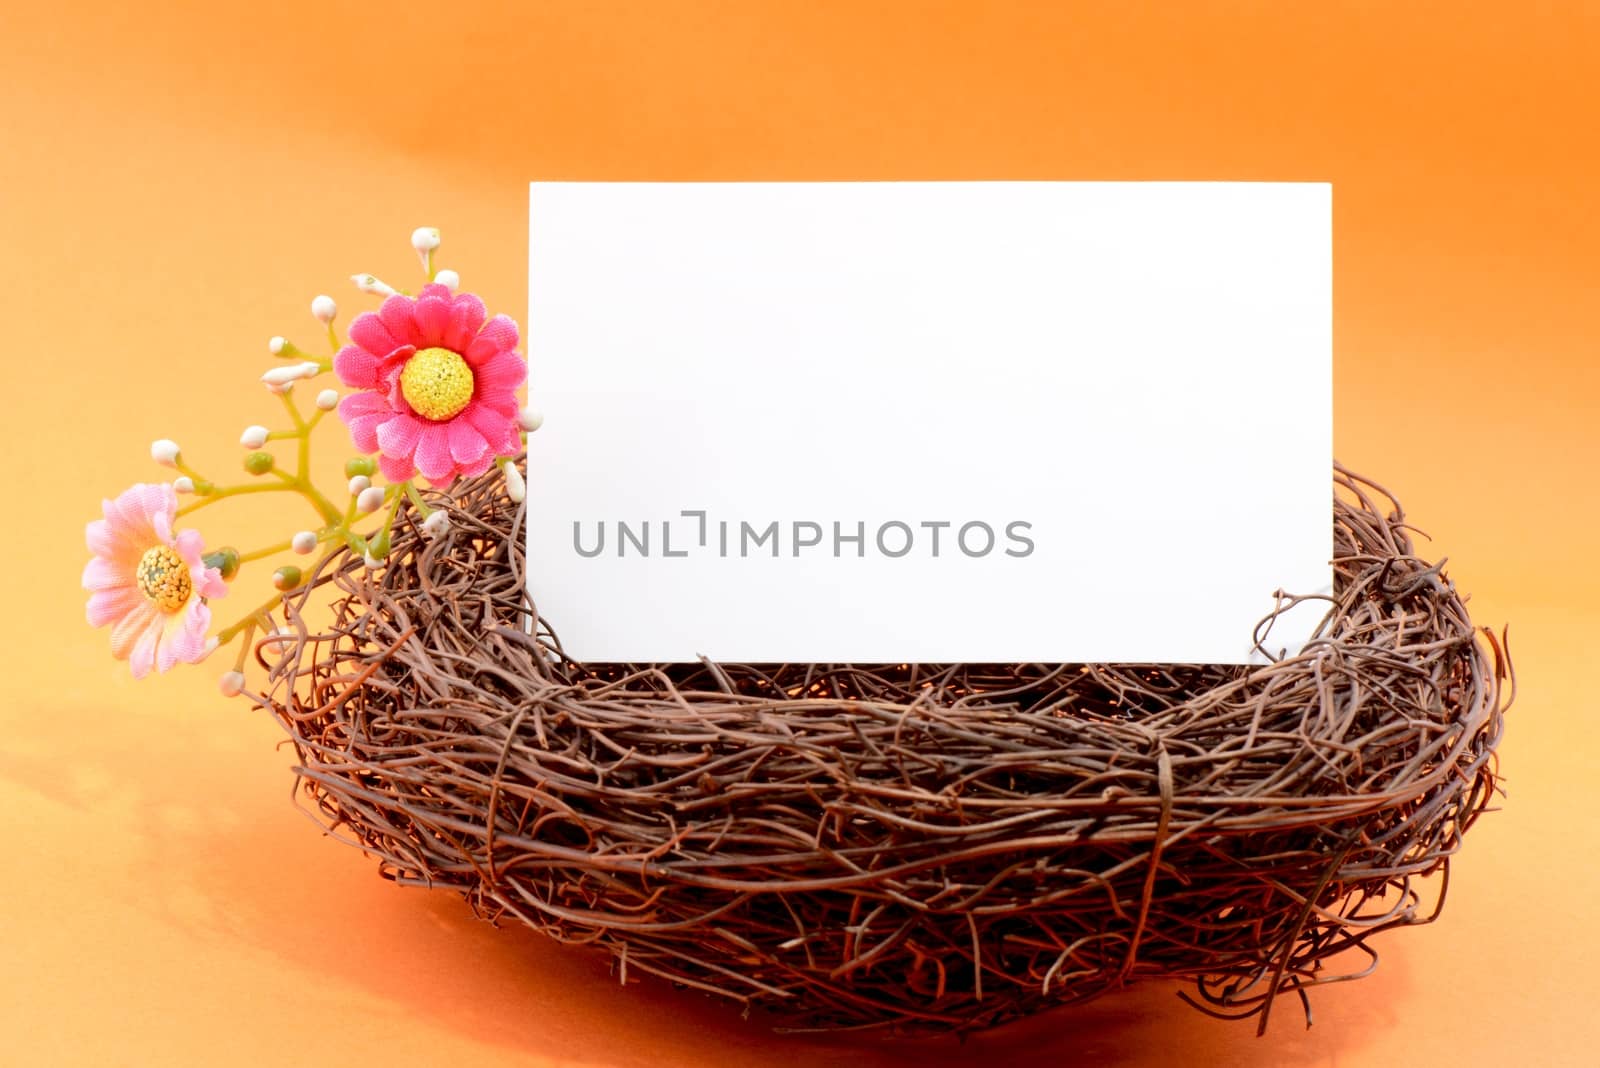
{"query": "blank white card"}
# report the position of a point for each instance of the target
(929, 421)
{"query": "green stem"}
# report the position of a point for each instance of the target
(287, 396)
(271, 550)
(244, 646)
(224, 492)
(249, 621)
(416, 499)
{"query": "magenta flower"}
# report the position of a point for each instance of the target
(149, 584)
(438, 385)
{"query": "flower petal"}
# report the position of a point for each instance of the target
(155, 499)
(109, 540)
(466, 444)
(397, 468)
(108, 606)
(183, 638)
(368, 331)
(191, 547)
(364, 430)
(365, 403)
(501, 402)
(498, 430)
(208, 582)
(129, 627)
(466, 319)
(501, 373)
(478, 466)
(433, 453)
(398, 436)
(433, 319)
(127, 517)
(363, 413)
(143, 656)
(101, 573)
(498, 335)
(399, 318)
(356, 367)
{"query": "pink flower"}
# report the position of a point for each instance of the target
(438, 385)
(149, 584)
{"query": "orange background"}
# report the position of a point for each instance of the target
(176, 184)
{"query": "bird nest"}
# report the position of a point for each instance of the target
(914, 845)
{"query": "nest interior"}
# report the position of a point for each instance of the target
(941, 846)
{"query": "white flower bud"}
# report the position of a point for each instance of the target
(448, 279)
(164, 451)
(369, 499)
(303, 542)
(373, 285)
(371, 561)
(516, 489)
(328, 400)
(324, 309)
(275, 344)
(436, 524)
(530, 420)
(231, 684)
(359, 484)
(253, 437)
(183, 484)
(281, 378)
(425, 238)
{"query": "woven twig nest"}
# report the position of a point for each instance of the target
(947, 845)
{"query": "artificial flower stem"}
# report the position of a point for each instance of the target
(271, 550)
(223, 492)
(244, 647)
(185, 469)
(294, 412)
(260, 615)
(416, 498)
(382, 540)
(394, 506)
(303, 454)
(318, 501)
(250, 621)
(324, 507)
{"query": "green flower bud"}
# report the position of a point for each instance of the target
(225, 560)
(258, 463)
(359, 465)
(286, 578)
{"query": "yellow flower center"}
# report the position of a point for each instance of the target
(164, 578)
(437, 383)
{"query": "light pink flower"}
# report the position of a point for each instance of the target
(438, 385)
(148, 583)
